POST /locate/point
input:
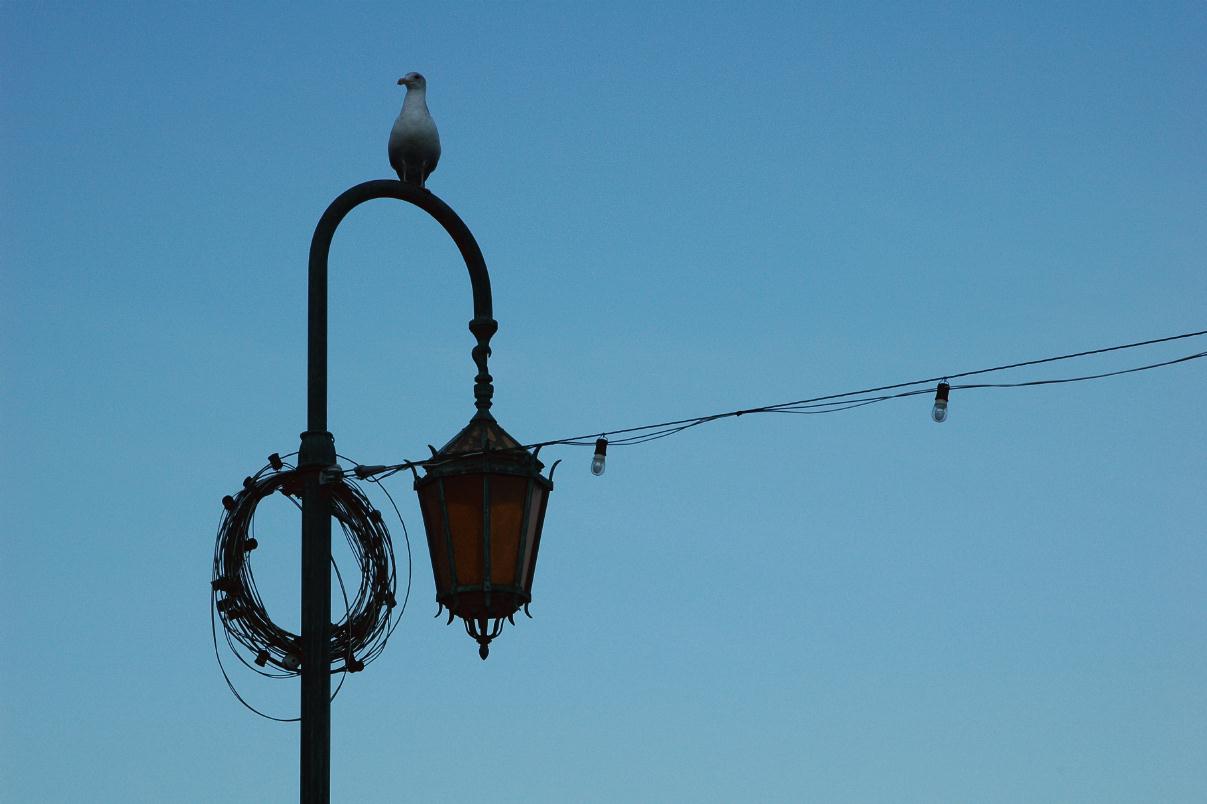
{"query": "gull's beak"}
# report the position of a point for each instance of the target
(402, 82)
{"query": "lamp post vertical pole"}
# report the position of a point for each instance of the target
(316, 453)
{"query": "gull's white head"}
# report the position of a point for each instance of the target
(413, 81)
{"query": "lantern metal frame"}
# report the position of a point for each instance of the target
(483, 450)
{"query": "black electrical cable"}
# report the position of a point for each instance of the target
(230, 682)
(407, 538)
(582, 439)
(235, 602)
(1084, 377)
(406, 597)
(829, 403)
(367, 625)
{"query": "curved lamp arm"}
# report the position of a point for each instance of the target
(483, 325)
(318, 450)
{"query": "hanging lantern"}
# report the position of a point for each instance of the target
(483, 500)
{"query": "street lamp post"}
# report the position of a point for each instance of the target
(481, 469)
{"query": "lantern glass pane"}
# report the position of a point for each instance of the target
(433, 522)
(506, 516)
(536, 512)
(463, 499)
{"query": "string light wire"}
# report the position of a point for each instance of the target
(363, 632)
(370, 616)
(830, 403)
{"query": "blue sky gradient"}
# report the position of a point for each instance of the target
(686, 209)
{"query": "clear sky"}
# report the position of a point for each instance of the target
(686, 209)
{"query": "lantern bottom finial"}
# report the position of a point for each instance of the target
(483, 632)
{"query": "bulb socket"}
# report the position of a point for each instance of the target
(224, 585)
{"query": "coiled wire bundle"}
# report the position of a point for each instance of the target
(360, 636)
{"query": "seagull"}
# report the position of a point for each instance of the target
(414, 141)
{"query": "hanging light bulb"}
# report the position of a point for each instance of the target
(601, 456)
(939, 411)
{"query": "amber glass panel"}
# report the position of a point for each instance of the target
(433, 522)
(463, 500)
(536, 510)
(506, 515)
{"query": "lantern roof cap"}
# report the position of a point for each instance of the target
(484, 435)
